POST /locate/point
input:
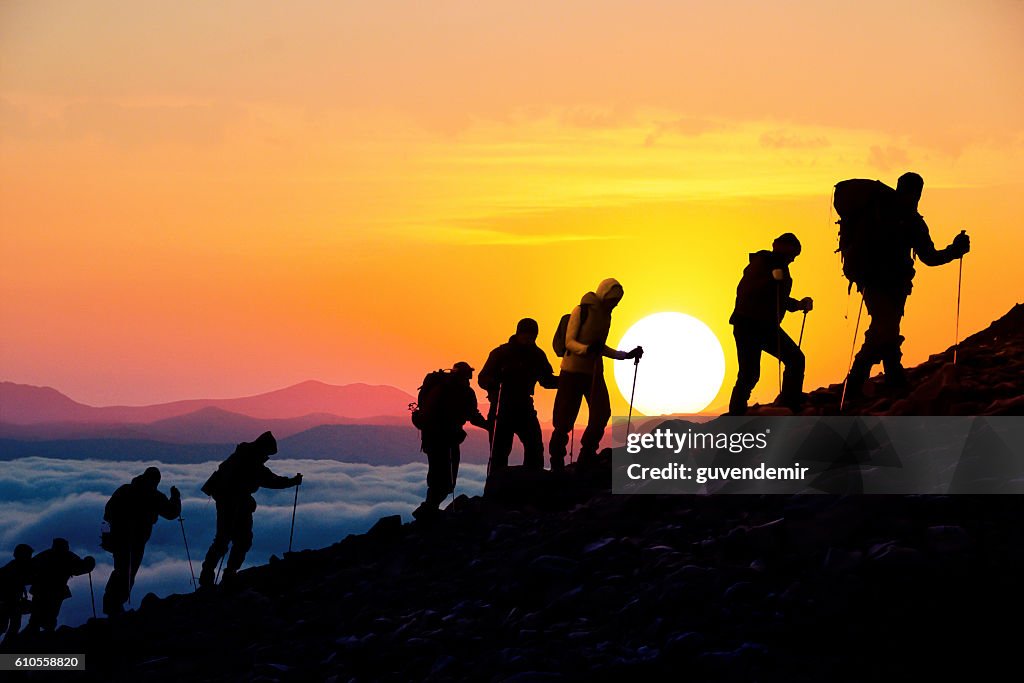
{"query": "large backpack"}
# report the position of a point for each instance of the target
(558, 341)
(866, 211)
(431, 401)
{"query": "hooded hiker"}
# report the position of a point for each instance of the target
(582, 371)
(51, 571)
(445, 404)
(14, 577)
(509, 377)
(762, 300)
(131, 512)
(231, 487)
(880, 233)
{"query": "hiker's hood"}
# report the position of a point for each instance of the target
(609, 290)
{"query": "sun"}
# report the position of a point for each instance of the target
(682, 369)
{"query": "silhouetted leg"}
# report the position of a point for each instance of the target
(10, 622)
(241, 541)
(455, 456)
(116, 592)
(571, 388)
(221, 539)
(748, 357)
(502, 444)
(528, 430)
(882, 339)
(438, 469)
(599, 404)
(45, 610)
(792, 358)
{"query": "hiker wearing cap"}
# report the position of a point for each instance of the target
(881, 263)
(131, 513)
(14, 577)
(231, 487)
(51, 571)
(509, 377)
(582, 372)
(446, 403)
(762, 300)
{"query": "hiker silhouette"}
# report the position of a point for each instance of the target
(879, 237)
(131, 512)
(14, 602)
(231, 486)
(446, 403)
(51, 570)
(509, 377)
(582, 372)
(762, 300)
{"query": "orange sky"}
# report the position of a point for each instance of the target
(217, 199)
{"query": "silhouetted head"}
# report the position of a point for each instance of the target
(60, 544)
(610, 293)
(909, 188)
(787, 246)
(265, 445)
(527, 331)
(22, 552)
(462, 370)
(151, 477)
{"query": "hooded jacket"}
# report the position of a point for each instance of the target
(133, 510)
(594, 330)
(760, 296)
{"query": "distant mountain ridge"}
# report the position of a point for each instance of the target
(22, 404)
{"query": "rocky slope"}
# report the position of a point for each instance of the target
(568, 582)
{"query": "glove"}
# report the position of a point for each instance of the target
(175, 493)
(637, 353)
(807, 303)
(297, 479)
(90, 563)
(961, 244)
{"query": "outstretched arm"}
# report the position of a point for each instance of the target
(170, 508)
(269, 480)
(929, 255)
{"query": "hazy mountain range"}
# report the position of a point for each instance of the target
(355, 423)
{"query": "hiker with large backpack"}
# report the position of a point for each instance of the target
(762, 300)
(131, 512)
(581, 341)
(231, 487)
(509, 377)
(880, 232)
(446, 402)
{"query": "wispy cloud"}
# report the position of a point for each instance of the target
(492, 237)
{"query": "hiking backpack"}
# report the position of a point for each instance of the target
(865, 209)
(558, 341)
(430, 405)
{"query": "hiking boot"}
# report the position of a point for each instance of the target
(557, 465)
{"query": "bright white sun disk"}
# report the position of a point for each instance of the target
(682, 369)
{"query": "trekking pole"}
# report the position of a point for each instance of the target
(778, 331)
(188, 554)
(629, 419)
(131, 579)
(494, 429)
(804, 322)
(451, 474)
(959, 281)
(842, 397)
(92, 595)
(295, 505)
(572, 443)
(221, 564)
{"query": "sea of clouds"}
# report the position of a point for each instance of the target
(43, 498)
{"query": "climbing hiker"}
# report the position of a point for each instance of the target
(232, 487)
(51, 571)
(131, 512)
(880, 233)
(446, 402)
(14, 602)
(583, 346)
(509, 377)
(762, 300)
